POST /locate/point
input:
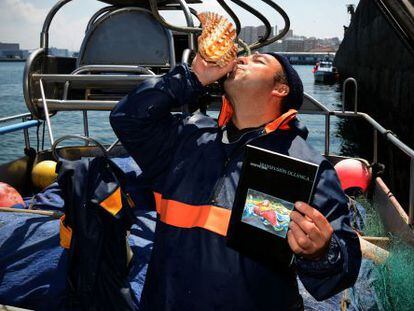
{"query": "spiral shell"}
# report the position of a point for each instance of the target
(216, 42)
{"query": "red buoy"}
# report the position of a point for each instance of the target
(353, 173)
(9, 196)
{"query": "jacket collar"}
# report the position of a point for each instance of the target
(282, 122)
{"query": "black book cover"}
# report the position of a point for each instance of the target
(270, 184)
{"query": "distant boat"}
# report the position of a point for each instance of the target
(325, 72)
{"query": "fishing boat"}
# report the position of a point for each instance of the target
(325, 72)
(125, 43)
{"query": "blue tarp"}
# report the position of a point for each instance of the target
(33, 265)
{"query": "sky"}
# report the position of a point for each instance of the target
(21, 20)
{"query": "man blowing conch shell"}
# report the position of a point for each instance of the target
(192, 163)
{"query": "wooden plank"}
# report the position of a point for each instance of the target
(54, 214)
(393, 216)
(373, 252)
(382, 242)
(10, 308)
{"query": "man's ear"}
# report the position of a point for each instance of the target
(281, 90)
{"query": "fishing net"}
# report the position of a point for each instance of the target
(393, 281)
(395, 278)
(372, 224)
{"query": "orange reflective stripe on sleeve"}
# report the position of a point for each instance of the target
(113, 203)
(65, 234)
(158, 198)
(209, 217)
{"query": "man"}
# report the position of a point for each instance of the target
(193, 166)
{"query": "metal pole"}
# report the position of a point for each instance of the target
(411, 193)
(262, 18)
(343, 96)
(232, 15)
(26, 135)
(190, 23)
(44, 35)
(46, 111)
(327, 133)
(375, 157)
(285, 29)
(17, 116)
(98, 14)
(85, 123)
(186, 56)
(355, 95)
(112, 145)
(66, 90)
(162, 21)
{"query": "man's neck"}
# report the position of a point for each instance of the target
(253, 112)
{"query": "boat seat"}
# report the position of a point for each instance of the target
(121, 48)
(127, 36)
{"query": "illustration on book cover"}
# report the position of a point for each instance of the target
(267, 212)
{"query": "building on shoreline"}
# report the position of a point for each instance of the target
(290, 42)
(12, 51)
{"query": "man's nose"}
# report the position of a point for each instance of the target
(242, 60)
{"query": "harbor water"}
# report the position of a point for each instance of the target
(63, 123)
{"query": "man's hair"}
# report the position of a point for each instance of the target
(295, 97)
(280, 77)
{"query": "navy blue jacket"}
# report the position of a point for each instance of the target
(187, 159)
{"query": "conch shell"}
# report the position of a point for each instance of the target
(216, 42)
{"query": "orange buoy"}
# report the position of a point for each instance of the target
(9, 196)
(353, 173)
(43, 174)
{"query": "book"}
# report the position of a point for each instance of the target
(270, 183)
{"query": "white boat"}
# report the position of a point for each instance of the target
(325, 72)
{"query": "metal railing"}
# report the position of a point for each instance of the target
(14, 117)
(377, 128)
(101, 68)
(25, 124)
(391, 138)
